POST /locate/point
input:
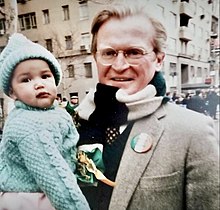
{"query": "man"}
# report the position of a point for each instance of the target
(136, 150)
(197, 103)
(71, 105)
(74, 100)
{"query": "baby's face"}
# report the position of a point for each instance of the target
(33, 83)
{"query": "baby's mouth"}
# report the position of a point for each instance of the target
(42, 95)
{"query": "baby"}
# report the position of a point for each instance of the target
(37, 151)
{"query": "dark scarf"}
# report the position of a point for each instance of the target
(108, 111)
(159, 83)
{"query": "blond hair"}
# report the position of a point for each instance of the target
(121, 11)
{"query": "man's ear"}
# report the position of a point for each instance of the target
(12, 94)
(160, 58)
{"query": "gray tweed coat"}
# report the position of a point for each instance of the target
(180, 171)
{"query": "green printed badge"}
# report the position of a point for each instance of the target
(142, 143)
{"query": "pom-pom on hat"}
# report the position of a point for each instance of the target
(19, 49)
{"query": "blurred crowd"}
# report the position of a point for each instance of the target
(200, 100)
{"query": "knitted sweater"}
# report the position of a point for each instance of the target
(37, 154)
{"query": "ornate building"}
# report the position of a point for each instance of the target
(63, 27)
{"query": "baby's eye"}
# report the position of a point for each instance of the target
(25, 80)
(45, 76)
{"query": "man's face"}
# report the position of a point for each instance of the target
(121, 35)
(74, 101)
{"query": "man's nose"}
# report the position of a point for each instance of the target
(120, 63)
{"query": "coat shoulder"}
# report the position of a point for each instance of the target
(183, 117)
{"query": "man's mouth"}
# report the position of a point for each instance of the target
(121, 79)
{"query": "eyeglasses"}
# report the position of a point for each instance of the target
(107, 56)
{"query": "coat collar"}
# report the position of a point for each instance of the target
(133, 164)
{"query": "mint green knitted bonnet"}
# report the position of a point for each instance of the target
(18, 49)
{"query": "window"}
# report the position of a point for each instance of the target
(199, 52)
(199, 72)
(171, 43)
(214, 25)
(192, 27)
(192, 71)
(173, 19)
(88, 70)
(206, 72)
(206, 53)
(191, 49)
(200, 32)
(85, 41)
(49, 44)
(2, 25)
(27, 21)
(201, 11)
(66, 15)
(71, 71)
(184, 73)
(160, 13)
(74, 94)
(184, 20)
(173, 69)
(2, 3)
(46, 16)
(69, 42)
(215, 7)
(22, 1)
(193, 5)
(83, 11)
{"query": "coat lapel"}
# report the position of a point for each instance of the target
(133, 164)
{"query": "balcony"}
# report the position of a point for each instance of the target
(185, 8)
(185, 34)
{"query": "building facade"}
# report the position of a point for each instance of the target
(63, 27)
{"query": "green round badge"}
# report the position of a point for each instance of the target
(141, 143)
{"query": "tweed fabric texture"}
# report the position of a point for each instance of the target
(37, 154)
(184, 152)
(18, 49)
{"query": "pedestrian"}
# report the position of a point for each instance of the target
(38, 147)
(186, 99)
(197, 103)
(71, 109)
(64, 102)
(136, 150)
(213, 100)
(74, 100)
(72, 104)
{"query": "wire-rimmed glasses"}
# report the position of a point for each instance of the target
(132, 55)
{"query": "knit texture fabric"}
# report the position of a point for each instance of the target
(37, 154)
(18, 49)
